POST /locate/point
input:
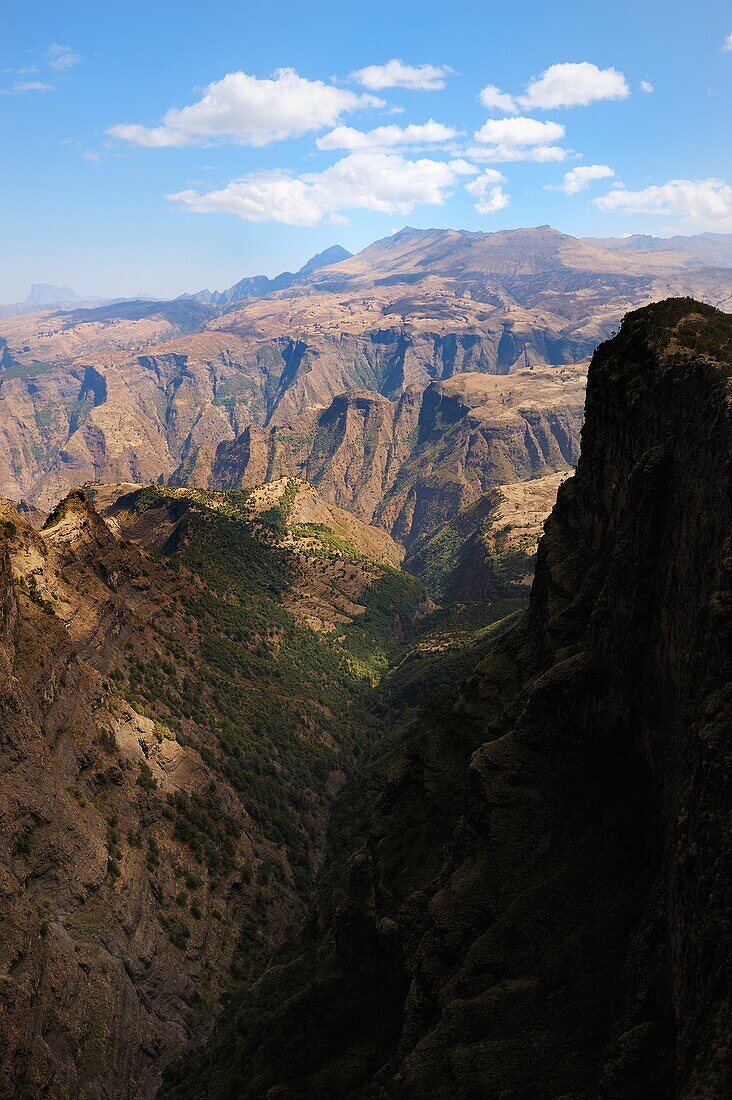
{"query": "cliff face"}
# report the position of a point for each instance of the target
(411, 464)
(596, 812)
(95, 996)
(538, 905)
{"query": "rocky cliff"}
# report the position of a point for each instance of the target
(538, 903)
(412, 464)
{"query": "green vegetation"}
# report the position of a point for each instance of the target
(114, 857)
(146, 779)
(307, 1018)
(274, 519)
(201, 823)
(468, 547)
(323, 543)
(178, 931)
(274, 708)
(30, 370)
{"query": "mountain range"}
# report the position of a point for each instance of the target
(185, 390)
(363, 660)
(257, 286)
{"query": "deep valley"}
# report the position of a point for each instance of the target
(363, 705)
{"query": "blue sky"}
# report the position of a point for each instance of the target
(266, 174)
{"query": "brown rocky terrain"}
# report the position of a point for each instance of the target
(410, 465)
(136, 391)
(183, 680)
(487, 551)
(537, 902)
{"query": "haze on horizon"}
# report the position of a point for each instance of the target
(164, 150)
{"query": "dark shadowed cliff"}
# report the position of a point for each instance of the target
(537, 905)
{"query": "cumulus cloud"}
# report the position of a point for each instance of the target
(508, 139)
(487, 189)
(496, 100)
(395, 74)
(574, 85)
(386, 137)
(61, 57)
(384, 182)
(646, 86)
(250, 111)
(502, 154)
(579, 179)
(697, 204)
(568, 84)
(727, 47)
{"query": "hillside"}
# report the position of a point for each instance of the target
(187, 678)
(535, 903)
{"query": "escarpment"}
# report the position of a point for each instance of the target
(537, 904)
(411, 464)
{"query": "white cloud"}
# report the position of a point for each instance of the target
(646, 86)
(32, 86)
(464, 168)
(387, 137)
(384, 182)
(574, 85)
(519, 131)
(509, 139)
(61, 57)
(395, 74)
(250, 111)
(697, 204)
(152, 137)
(260, 197)
(493, 98)
(579, 179)
(568, 84)
(727, 47)
(488, 191)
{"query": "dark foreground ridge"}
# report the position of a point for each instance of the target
(537, 904)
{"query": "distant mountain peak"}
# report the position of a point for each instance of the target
(257, 286)
(46, 294)
(332, 255)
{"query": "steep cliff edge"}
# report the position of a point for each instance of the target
(538, 905)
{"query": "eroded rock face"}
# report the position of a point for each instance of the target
(547, 870)
(412, 464)
(95, 996)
